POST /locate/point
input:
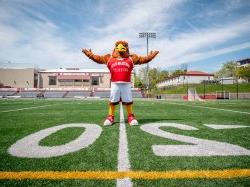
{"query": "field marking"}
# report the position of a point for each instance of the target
(123, 157)
(32, 107)
(16, 102)
(198, 147)
(195, 106)
(111, 175)
(27, 108)
(216, 126)
(88, 137)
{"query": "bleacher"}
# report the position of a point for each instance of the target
(106, 94)
(102, 94)
(73, 94)
(54, 94)
(137, 94)
(63, 93)
(28, 94)
(6, 93)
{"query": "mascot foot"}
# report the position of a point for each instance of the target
(131, 120)
(109, 120)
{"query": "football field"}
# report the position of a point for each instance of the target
(178, 143)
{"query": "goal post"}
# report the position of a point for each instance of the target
(222, 95)
(192, 95)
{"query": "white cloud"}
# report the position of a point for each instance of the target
(190, 47)
(205, 55)
(8, 35)
(140, 16)
(147, 15)
(37, 39)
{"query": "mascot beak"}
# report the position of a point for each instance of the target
(121, 48)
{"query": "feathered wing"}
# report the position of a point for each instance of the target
(143, 59)
(96, 58)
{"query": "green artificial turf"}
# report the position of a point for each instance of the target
(102, 154)
(243, 182)
(140, 142)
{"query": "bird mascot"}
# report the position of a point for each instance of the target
(120, 64)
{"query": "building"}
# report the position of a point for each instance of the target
(190, 77)
(86, 79)
(75, 78)
(18, 75)
(243, 62)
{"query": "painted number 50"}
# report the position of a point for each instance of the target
(29, 146)
(199, 147)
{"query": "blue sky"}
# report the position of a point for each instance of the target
(204, 34)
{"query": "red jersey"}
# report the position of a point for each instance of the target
(120, 69)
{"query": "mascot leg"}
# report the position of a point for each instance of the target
(111, 109)
(110, 118)
(131, 117)
(129, 108)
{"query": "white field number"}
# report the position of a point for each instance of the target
(199, 147)
(29, 146)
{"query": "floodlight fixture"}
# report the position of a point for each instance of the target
(147, 35)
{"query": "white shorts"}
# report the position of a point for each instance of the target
(121, 91)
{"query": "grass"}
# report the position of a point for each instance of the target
(140, 142)
(194, 183)
(16, 125)
(212, 88)
(102, 155)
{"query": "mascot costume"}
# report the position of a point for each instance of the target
(120, 64)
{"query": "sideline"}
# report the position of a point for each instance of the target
(110, 175)
(207, 107)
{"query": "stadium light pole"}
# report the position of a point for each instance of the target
(204, 89)
(222, 82)
(147, 35)
(237, 80)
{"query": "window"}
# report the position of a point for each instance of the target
(65, 82)
(52, 80)
(95, 81)
(101, 80)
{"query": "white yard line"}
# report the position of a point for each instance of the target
(27, 108)
(16, 102)
(195, 106)
(123, 157)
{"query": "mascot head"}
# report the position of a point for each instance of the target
(121, 50)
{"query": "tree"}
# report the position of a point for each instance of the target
(227, 70)
(138, 82)
(244, 72)
(140, 78)
(155, 75)
(178, 72)
(163, 75)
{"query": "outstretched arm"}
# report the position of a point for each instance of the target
(97, 58)
(143, 60)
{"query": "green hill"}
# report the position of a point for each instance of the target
(209, 88)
